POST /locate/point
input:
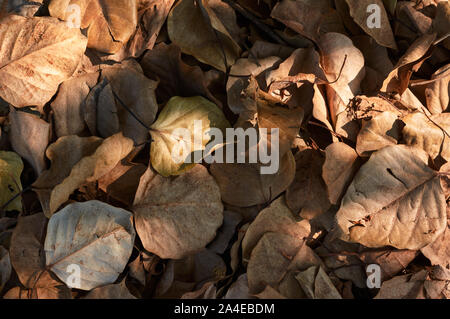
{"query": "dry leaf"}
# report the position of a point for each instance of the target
(176, 217)
(179, 113)
(27, 252)
(96, 237)
(94, 158)
(196, 29)
(397, 81)
(109, 23)
(29, 138)
(68, 106)
(307, 195)
(176, 78)
(242, 185)
(395, 200)
(428, 133)
(338, 169)
(360, 12)
(308, 17)
(438, 252)
(379, 131)
(276, 218)
(437, 93)
(37, 54)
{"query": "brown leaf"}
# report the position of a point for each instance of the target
(338, 169)
(437, 93)
(176, 217)
(69, 105)
(394, 199)
(428, 133)
(307, 195)
(109, 23)
(343, 65)
(398, 80)
(37, 54)
(316, 284)
(123, 95)
(438, 252)
(242, 185)
(151, 16)
(196, 29)
(27, 252)
(29, 138)
(122, 181)
(188, 274)
(379, 131)
(276, 218)
(309, 18)
(176, 78)
(77, 161)
(360, 12)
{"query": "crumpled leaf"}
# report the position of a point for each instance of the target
(37, 54)
(360, 13)
(11, 167)
(179, 113)
(151, 16)
(275, 259)
(395, 200)
(77, 161)
(176, 217)
(29, 138)
(343, 65)
(398, 80)
(27, 252)
(109, 23)
(240, 81)
(196, 29)
(379, 131)
(275, 218)
(339, 167)
(428, 133)
(95, 236)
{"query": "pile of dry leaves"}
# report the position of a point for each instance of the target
(92, 204)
